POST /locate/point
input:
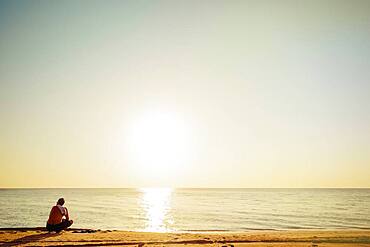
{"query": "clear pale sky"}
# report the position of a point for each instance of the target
(185, 93)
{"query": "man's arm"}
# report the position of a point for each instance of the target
(67, 214)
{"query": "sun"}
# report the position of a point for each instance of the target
(159, 143)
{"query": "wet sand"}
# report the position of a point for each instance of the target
(86, 237)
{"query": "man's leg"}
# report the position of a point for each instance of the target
(64, 225)
(50, 228)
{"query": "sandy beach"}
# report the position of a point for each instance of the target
(85, 237)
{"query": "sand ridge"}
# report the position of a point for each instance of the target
(90, 237)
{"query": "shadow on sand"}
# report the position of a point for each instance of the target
(29, 239)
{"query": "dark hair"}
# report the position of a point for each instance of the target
(60, 201)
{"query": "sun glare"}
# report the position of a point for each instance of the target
(156, 204)
(159, 143)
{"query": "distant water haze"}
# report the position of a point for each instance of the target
(164, 209)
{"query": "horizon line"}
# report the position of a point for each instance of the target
(164, 187)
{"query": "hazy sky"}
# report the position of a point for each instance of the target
(185, 93)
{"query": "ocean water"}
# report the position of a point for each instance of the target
(191, 209)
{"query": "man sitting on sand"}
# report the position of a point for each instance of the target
(58, 218)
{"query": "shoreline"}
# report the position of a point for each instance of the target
(38, 236)
(210, 231)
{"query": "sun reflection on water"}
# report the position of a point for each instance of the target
(156, 204)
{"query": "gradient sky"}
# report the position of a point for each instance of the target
(226, 93)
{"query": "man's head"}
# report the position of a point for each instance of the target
(60, 201)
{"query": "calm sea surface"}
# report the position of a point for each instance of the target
(191, 209)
